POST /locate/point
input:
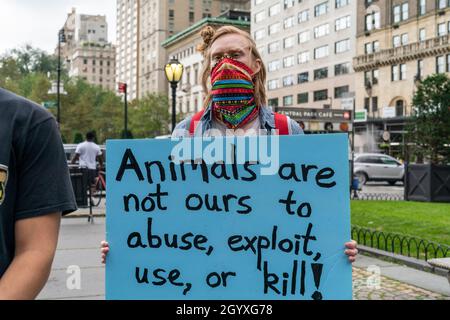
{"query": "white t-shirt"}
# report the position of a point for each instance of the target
(88, 152)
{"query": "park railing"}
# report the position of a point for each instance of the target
(377, 196)
(400, 244)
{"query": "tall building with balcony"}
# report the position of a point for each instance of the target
(308, 47)
(399, 43)
(183, 46)
(87, 52)
(142, 25)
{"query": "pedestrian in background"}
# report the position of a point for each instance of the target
(88, 153)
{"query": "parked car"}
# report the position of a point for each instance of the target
(378, 167)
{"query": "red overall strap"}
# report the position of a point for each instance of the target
(194, 121)
(281, 123)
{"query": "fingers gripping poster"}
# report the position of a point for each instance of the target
(229, 218)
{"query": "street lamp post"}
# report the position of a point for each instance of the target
(61, 39)
(174, 72)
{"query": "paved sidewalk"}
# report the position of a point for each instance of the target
(79, 243)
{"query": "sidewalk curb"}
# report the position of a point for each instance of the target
(84, 215)
(407, 261)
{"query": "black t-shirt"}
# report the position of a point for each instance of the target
(34, 176)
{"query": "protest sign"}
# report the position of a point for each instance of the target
(239, 218)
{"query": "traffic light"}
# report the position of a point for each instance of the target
(122, 87)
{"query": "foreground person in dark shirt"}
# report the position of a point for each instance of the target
(35, 189)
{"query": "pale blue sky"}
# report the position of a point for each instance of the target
(37, 21)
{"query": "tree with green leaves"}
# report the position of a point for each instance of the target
(430, 126)
(150, 116)
(86, 107)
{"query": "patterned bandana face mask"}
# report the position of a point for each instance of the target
(233, 100)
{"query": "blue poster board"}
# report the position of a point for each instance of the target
(267, 223)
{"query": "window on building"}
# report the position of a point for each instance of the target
(341, 92)
(422, 34)
(321, 73)
(374, 104)
(273, 102)
(288, 81)
(303, 16)
(396, 14)
(288, 100)
(419, 69)
(399, 108)
(375, 76)
(440, 64)
(273, 84)
(405, 11)
(302, 98)
(259, 34)
(321, 52)
(373, 21)
(303, 77)
(260, 16)
(341, 3)
(288, 61)
(274, 28)
(371, 47)
(85, 61)
(274, 10)
(274, 47)
(342, 68)
(342, 46)
(289, 22)
(396, 41)
(398, 72)
(321, 30)
(303, 57)
(289, 3)
(442, 4)
(441, 29)
(289, 42)
(367, 104)
(304, 36)
(274, 65)
(404, 39)
(342, 23)
(422, 7)
(321, 9)
(320, 95)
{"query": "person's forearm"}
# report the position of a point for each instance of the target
(26, 276)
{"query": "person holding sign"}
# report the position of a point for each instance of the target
(234, 79)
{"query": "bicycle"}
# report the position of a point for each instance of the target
(98, 189)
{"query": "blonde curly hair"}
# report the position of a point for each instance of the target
(210, 35)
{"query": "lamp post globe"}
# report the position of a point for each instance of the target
(174, 72)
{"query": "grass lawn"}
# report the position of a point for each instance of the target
(430, 221)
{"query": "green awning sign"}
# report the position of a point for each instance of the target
(361, 116)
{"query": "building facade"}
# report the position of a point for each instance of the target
(183, 46)
(86, 52)
(127, 45)
(399, 43)
(308, 47)
(149, 23)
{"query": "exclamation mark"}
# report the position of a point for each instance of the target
(317, 272)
